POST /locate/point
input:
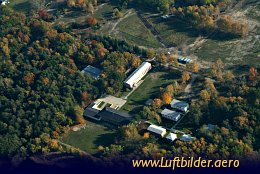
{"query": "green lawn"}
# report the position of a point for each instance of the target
(104, 12)
(148, 89)
(174, 32)
(134, 31)
(90, 138)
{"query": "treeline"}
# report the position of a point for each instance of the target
(208, 18)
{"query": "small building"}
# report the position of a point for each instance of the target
(92, 71)
(114, 116)
(133, 80)
(171, 137)
(184, 60)
(171, 115)
(157, 130)
(186, 137)
(179, 105)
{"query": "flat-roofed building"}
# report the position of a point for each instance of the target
(114, 116)
(137, 75)
(92, 71)
(157, 130)
(179, 105)
(171, 115)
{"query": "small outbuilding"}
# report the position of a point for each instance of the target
(157, 130)
(171, 115)
(171, 136)
(179, 105)
(92, 71)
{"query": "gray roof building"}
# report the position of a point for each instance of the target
(171, 115)
(180, 105)
(115, 116)
(92, 71)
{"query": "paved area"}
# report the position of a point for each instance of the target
(114, 102)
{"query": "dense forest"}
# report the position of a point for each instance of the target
(42, 88)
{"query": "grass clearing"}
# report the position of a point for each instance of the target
(90, 138)
(173, 31)
(134, 31)
(149, 89)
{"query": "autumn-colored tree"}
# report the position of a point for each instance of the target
(78, 113)
(211, 88)
(162, 58)
(136, 62)
(45, 80)
(29, 78)
(169, 89)
(150, 53)
(252, 74)
(130, 132)
(185, 76)
(229, 76)
(157, 103)
(91, 21)
(204, 95)
(71, 3)
(146, 135)
(194, 67)
(166, 98)
(172, 60)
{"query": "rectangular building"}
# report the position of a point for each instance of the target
(137, 75)
(157, 130)
(179, 105)
(92, 71)
(171, 115)
(114, 116)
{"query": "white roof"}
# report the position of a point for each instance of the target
(171, 136)
(139, 73)
(156, 129)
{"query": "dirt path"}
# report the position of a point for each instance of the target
(128, 13)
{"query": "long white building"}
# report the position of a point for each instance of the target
(137, 75)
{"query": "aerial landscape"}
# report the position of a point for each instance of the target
(126, 84)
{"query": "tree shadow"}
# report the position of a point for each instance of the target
(105, 139)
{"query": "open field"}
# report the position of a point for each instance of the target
(89, 138)
(174, 32)
(134, 31)
(239, 51)
(149, 89)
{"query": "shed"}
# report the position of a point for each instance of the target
(179, 105)
(157, 130)
(170, 114)
(171, 136)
